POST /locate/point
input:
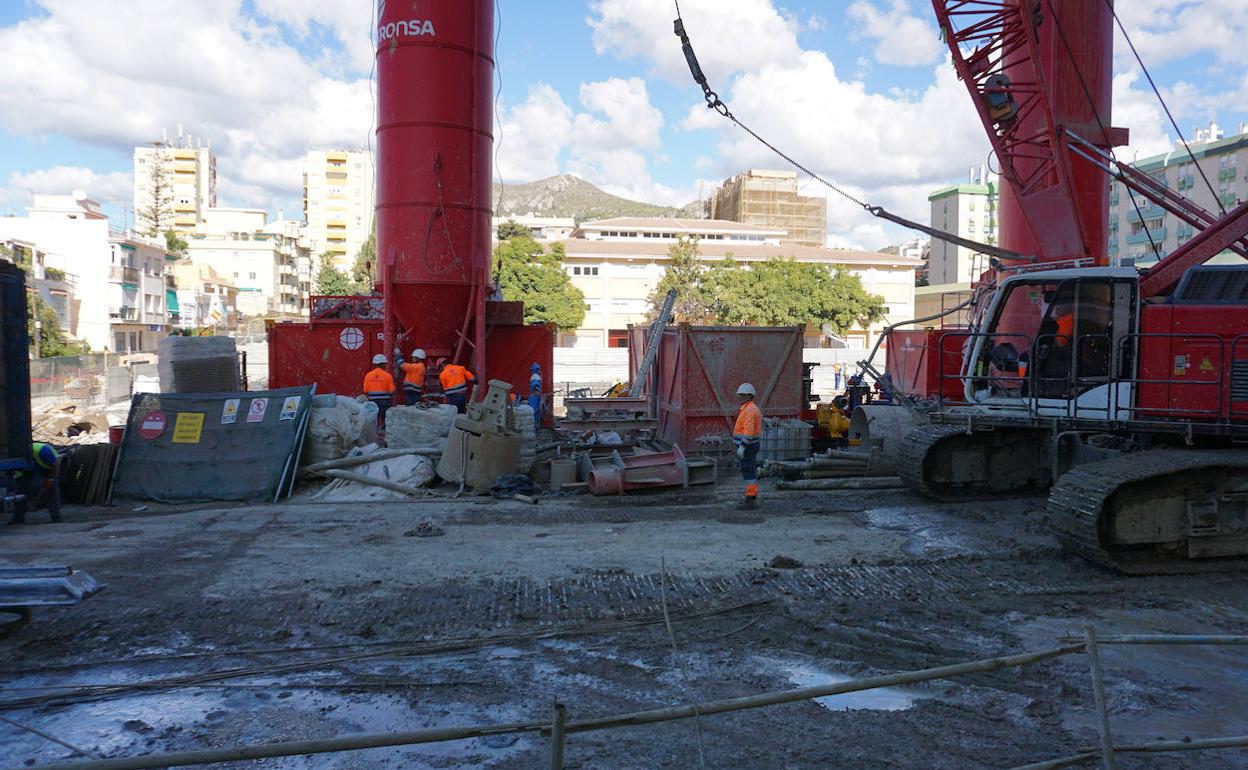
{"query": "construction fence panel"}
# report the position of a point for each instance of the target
(81, 380)
(194, 447)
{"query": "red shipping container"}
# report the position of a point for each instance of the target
(698, 369)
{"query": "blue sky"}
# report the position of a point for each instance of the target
(858, 89)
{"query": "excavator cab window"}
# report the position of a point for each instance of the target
(1057, 340)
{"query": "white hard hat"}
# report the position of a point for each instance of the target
(418, 353)
(380, 359)
(745, 389)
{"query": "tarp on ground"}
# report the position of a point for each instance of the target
(195, 447)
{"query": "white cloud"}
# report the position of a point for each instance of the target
(728, 35)
(348, 21)
(1138, 110)
(1166, 30)
(611, 143)
(117, 79)
(532, 135)
(901, 37)
(115, 186)
(846, 132)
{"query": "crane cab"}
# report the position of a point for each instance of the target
(1082, 344)
(1058, 343)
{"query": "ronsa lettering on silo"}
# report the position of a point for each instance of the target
(408, 28)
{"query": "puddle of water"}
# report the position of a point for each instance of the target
(884, 699)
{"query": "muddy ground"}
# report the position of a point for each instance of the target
(377, 629)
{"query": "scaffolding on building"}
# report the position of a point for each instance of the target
(771, 199)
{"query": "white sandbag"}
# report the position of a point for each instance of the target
(415, 426)
(527, 425)
(409, 470)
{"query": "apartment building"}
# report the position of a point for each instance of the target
(771, 199)
(617, 263)
(206, 298)
(55, 287)
(263, 261)
(969, 211)
(120, 287)
(189, 171)
(1144, 232)
(338, 201)
(541, 228)
(142, 296)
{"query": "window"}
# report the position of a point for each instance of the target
(575, 270)
(252, 276)
(591, 271)
(617, 338)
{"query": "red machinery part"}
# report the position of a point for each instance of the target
(698, 369)
(1189, 356)
(651, 471)
(922, 366)
(435, 78)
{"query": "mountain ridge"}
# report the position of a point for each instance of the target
(567, 195)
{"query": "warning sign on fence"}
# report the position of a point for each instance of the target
(255, 412)
(173, 452)
(188, 428)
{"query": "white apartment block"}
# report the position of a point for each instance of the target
(1142, 231)
(56, 287)
(969, 211)
(205, 298)
(618, 263)
(338, 201)
(122, 288)
(542, 228)
(140, 293)
(190, 169)
(263, 261)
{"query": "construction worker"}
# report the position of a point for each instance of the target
(455, 379)
(379, 388)
(747, 434)
(535, 392)
(45, 479)
(413, 377)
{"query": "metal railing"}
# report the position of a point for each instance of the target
(558, 727)
(1209, 396)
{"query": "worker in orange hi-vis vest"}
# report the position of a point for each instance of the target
(455, 379)
(413, 376)
(747, 434)
(379, 388)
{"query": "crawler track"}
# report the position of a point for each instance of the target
(1079, 510)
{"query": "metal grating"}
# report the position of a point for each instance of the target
(1209, 284)
(1239, 380)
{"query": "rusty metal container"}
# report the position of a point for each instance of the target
(698, 369)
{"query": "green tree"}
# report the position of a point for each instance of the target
(530, 274)
(513, 229)
(685, 272)
(329, 279)
(155, 213)
(175, 244)
(51, 339)
(364, 270)
(784, 292)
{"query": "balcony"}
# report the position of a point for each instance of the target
(1146, 213)
(123, 313)
(1142, 236)
(117, 273)
(171, 282)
